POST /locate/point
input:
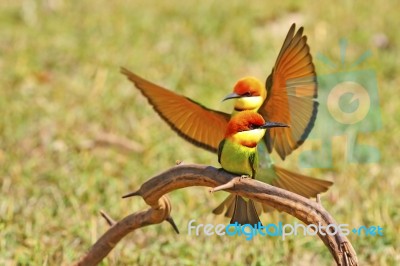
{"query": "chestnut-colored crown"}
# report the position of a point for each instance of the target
(249, 86)
(244, 121)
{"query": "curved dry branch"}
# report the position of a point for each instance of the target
(152, 191)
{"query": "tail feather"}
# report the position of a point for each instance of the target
(227, 202)
(231, 208)
(242, 211)
(245, 212)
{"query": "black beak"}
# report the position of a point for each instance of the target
(273, 124)
(231, 96)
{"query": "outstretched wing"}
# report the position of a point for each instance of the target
(291, 95)
(197, 124)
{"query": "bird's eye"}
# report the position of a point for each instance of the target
(247, 94)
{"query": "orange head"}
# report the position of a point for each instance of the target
(244, 121)
(247, 128)
(249, 93)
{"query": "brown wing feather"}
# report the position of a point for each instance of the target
(303, 185)
(292, 93)
(199, 125)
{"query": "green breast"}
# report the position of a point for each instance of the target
(235, 158)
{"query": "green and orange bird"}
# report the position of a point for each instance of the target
(289, 96)
(237, 153)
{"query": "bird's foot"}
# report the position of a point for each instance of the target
(244, 176)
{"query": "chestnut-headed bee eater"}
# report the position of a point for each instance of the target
(237, 153)
(288, 96)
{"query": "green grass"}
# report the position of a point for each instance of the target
(61, 87)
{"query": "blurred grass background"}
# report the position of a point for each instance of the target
(62, 97)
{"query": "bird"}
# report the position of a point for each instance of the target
(289, 95)
(237, 154)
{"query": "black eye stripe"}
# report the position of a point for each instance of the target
(253, 126)
(250, 127)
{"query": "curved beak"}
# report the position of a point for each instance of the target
(274, 124)
(231, 96)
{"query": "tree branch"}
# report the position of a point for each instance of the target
(152, 191)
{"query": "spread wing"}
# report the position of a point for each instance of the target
(291, 95)
(197, 124)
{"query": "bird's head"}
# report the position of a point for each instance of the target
(248, 128)
(249, 94)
